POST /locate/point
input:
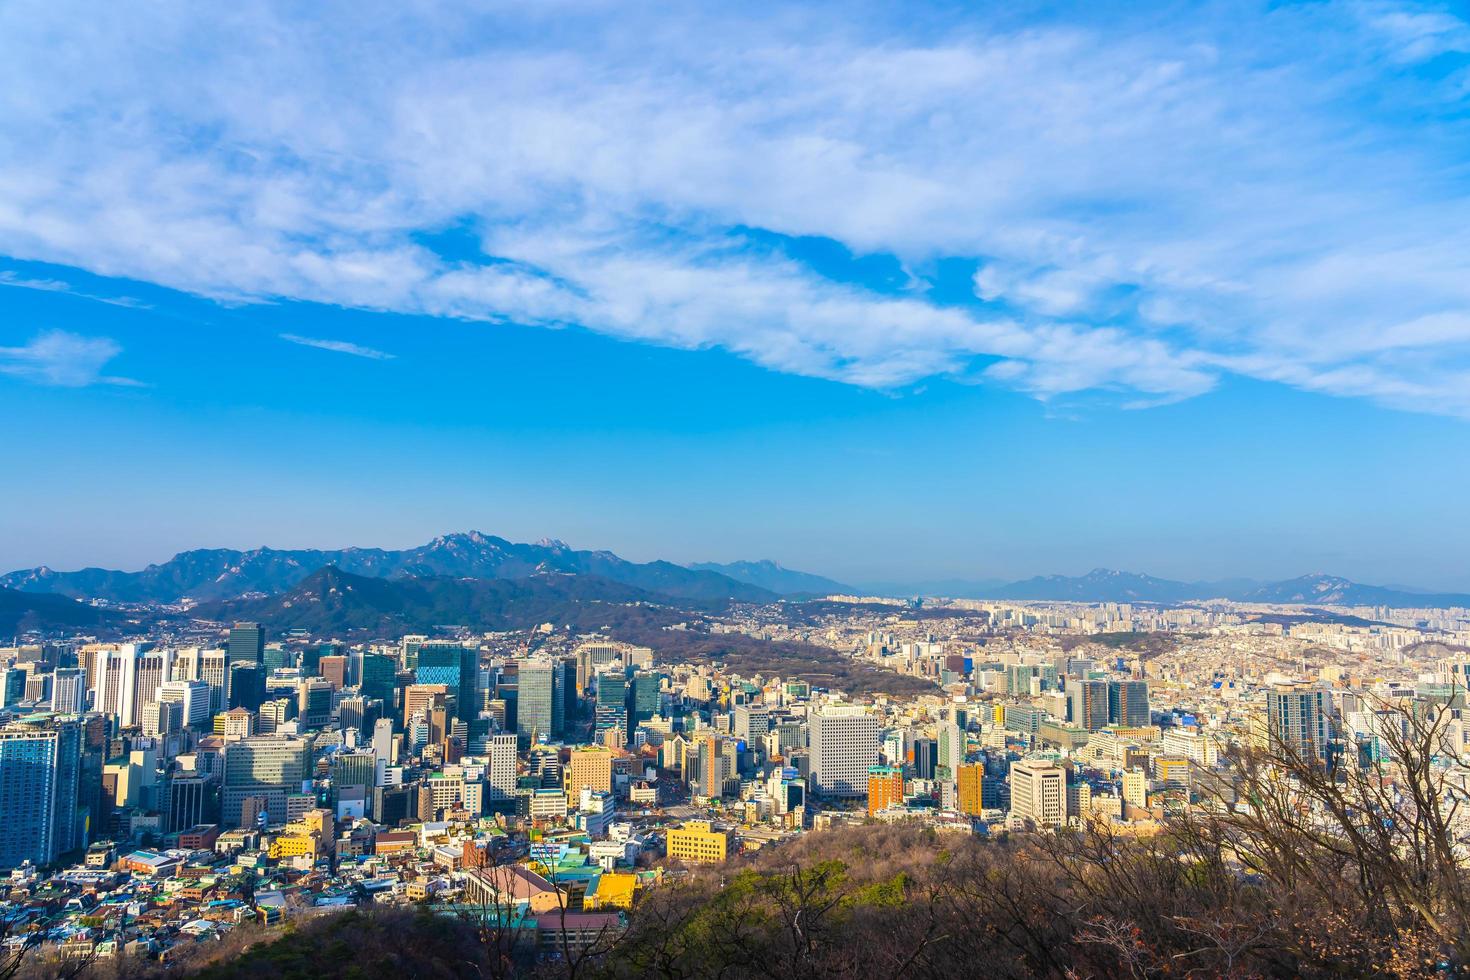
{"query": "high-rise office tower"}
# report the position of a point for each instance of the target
(127, 678)
(191, 799)
(69, 691)
(1039, 792)
(643, 698)
(352, 712)
(612, 702)
(1087, 703)
(214, 671)
(194, 696)
(314, 702)
(246, 643)
(1128, 703)
(592, 658)
(752, 722)
(274, 657)
(333, 670)
(246, 685)
(500, 777)
(377, 676)
(926, 757)
(39, 771)
(348, 769)
(534, 708)
(262, 766)
(564, 697)
(457, 668)
(951, 750)
(712, 766)
(1020, 676)
(162, 718)
(12, 685)
(383, 741)
(844, 746)
(590, 768)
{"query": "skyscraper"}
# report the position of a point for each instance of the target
(39, 768)
(1087, 703)
(926, 757)
(246, 643)
(128, 678)
(612, 702)
(643, 698)
(500, 777)
(844, 746)
(951, 746)
(377, 676)
(534, 710)
(1128, 703)
(458, 669)
(563, 695)
(262, 766)
(69, 691)
(246, 685)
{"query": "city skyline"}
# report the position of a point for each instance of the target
(957, 293)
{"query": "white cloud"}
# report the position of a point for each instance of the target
(1150, 201)
(17, 281)
(339, 346)
(64, 359)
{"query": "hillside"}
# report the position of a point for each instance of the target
(227, 574)
(21, 612)
(869, 902)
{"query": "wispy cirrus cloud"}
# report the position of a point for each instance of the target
(63, 359)
(1151, 199)
(15, 280)
(338, 346)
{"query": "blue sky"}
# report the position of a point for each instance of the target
(887, 293)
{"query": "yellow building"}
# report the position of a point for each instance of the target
(292, 845)
(613, 890)
(972, 780)
(1135, 788)
(698, 841)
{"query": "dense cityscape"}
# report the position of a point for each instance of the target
(164, 791)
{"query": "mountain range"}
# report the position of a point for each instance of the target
(331, 601)
(220, 573)
(223, 575)
(772, 577)
(1106, 585)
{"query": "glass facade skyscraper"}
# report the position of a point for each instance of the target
(39, 767)
(457, 668)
